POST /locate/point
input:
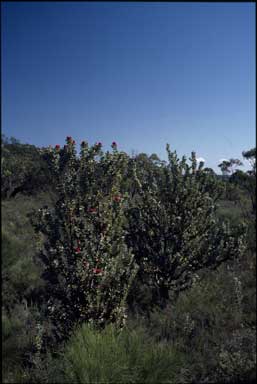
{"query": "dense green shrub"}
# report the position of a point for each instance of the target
(87, 265)
(173, 227)
(20, 275)
(18, 337)
(137, 205)
(169, 222)
(22, 169)
(211, 326)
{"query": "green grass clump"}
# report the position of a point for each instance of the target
(110, 356)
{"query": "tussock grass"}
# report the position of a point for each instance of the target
(110, 356)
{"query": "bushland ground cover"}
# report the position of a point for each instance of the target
(125, 269)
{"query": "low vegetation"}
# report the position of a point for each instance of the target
(127, 269)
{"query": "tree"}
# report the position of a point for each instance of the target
(250, 156)
(247, 180)
(229, 166)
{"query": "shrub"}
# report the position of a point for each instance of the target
(23, 170)
(20, 274)
(211, 327)
(18, 335)
(173, 228)
(87, 265)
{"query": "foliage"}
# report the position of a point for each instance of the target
(88, 267)
(173, 229)
(250, 155)
(247, 184)
(210, 325)
(18, 335)
(206, 334)
(229, 166)
(22, 169)
(20, 275)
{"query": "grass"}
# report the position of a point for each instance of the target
(110, 356)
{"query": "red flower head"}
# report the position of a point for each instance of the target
(114, 144)
(57, 146)
(117, 198)
(97, 270)
(68, 138)
(77, 250)
(92, 210)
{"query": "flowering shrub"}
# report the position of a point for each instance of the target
(88, 266)
(165, 215)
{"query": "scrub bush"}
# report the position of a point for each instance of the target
(87, 265)
(173, 227)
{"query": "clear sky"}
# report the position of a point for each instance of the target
(140, 74)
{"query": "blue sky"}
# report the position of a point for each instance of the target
(142, 74)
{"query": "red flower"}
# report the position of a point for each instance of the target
(57, 146)
(77, 250)
(117, 198)
(92, 210)
(97, 270)
(68, 138)
(74, 142)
